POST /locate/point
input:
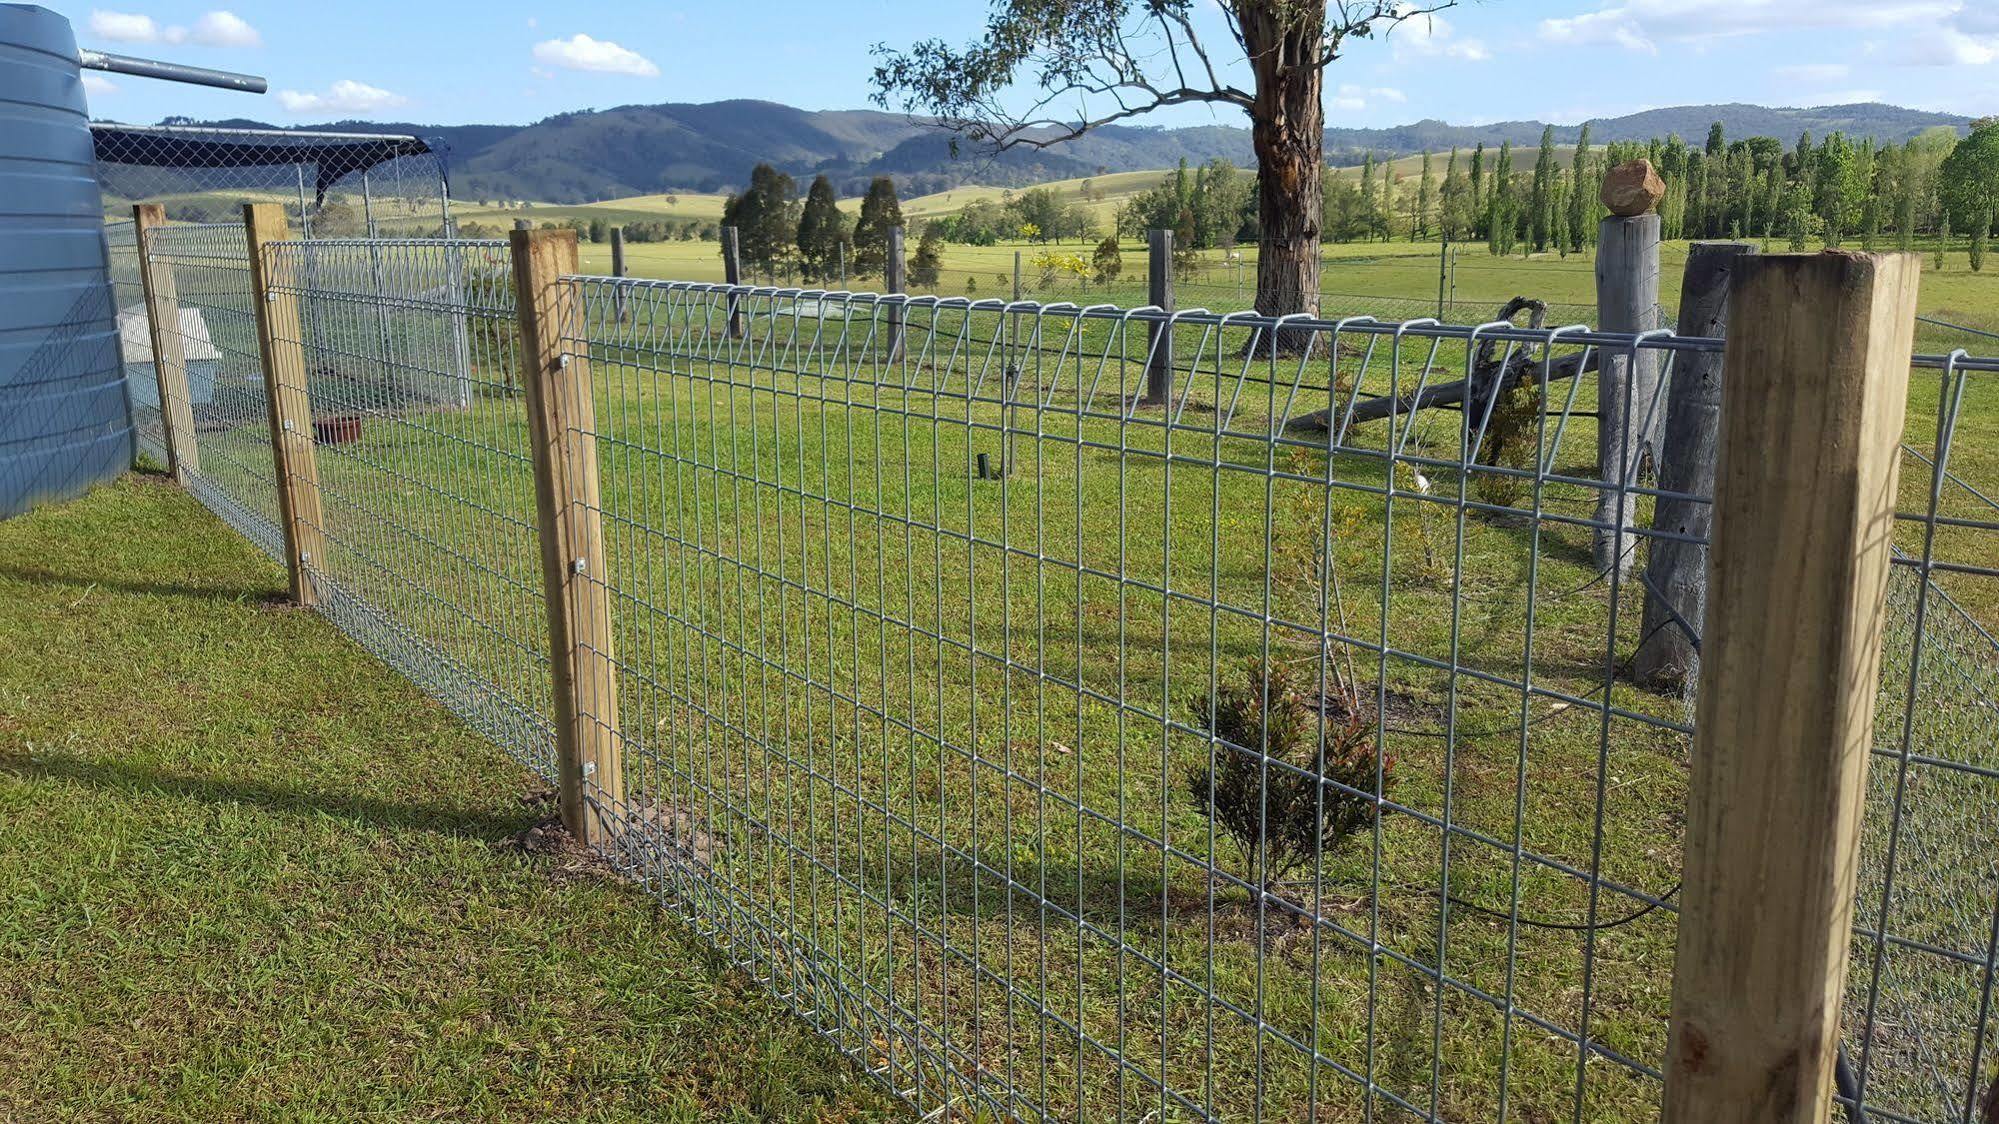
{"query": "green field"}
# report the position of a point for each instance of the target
(909, 710)
(1393, 280)
(249, 873)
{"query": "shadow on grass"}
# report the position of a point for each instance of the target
(251, 595)
(361, 811)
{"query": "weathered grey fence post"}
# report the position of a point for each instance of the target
(1814, 391)
(1016, 275)
(1629, 406)
(893, 282)
(840, 255)
(618, 267)
(732, 272)
(1159, 337)
(1676, 571)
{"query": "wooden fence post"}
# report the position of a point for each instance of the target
(732, 273)
(1159, 339)
(280, 344)
(1676, 571)
(156, 280)
(562, 424)
(1016, 275)
(1629, 409)
(893, 282)
(1813, 393)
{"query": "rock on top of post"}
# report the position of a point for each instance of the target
(1632, 188)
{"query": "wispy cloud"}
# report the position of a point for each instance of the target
(1643, 25)
(1354, 98)
(344, 96)
(219, 28)
(581, 52)
(1435, 37)
(97, 85)
(1813, 73)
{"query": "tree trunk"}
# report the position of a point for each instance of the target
(1288, 129)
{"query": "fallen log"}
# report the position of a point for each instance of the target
(1490, 377)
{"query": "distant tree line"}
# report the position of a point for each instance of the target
(778, 235)
(1828, 190)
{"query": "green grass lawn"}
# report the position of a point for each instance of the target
(247, 872)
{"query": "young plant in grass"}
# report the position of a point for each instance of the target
(1284, 812)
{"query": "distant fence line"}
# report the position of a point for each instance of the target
(1121, 713)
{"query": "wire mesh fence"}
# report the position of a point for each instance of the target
(427, 489)
(1270, 751)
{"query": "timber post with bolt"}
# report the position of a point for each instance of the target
(156, 280)
(562, 423)
(1814, 391)
(280, 344)
(1159, 334)
(1676, 570)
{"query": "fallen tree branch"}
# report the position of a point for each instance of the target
(1489, 378)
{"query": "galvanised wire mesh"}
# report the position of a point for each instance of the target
(135, 345)
(232, 472)
(426, 486)
(1919, 1029)
(332, 184)
(1066, 756)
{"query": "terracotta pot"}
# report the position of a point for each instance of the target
(337, 430)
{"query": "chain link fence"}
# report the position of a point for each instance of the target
(1064, 754)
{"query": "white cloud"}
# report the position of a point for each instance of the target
(97, 85)
(1355, 98)
(124, 27)
(344, 96)
(1433, 36)
(1813, 73)
(1642, 25)
(1950, 48)
(580, 52)
(220, 28)
(225, 29)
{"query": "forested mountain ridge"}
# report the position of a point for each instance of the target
(639, 149)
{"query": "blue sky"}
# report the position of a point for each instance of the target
(505, 61)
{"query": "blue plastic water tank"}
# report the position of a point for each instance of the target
(65, 423)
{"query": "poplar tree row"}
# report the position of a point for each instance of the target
(1829, 190)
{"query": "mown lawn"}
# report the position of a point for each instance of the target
(247, 872)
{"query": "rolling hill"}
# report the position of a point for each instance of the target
(638, 150)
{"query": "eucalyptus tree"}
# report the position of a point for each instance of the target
(1046, 71)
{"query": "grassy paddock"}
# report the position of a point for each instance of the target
(246, 872)
(936, 730)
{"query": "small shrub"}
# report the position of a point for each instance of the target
(1279, 818)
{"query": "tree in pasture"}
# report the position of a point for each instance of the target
(1541, 200)
(598, 231)
(1968, 184)
(1454, 202)
(822, 231)
(1501, 217)
(1477, 191)
(1583, 186)
(765, 218)
(1425, 191)
(1106, 263)
(1840, 187)
(928, 264)
(1123, 58)
(881, 212)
